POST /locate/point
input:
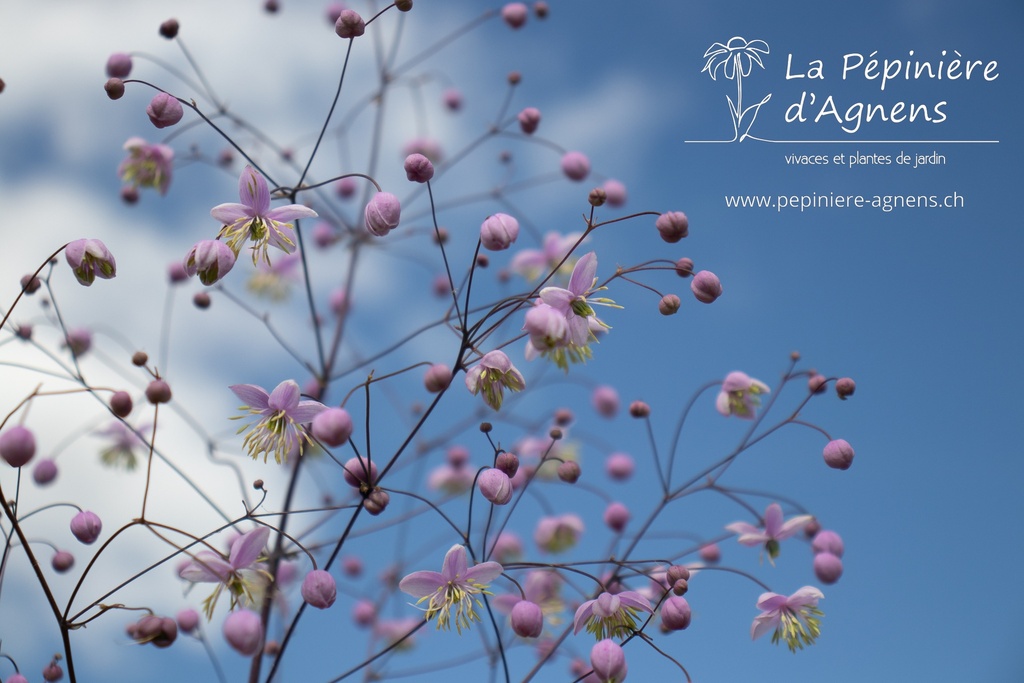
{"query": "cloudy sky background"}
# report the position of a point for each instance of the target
(921, 306)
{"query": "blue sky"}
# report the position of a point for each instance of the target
(921, 306)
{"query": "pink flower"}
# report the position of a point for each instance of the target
(495, 486)
(838, 454)
(147, 165)
(238, 573)
(794, 619)
(534, 263)
(611, 616)
(555, 534)
(89, 259)
(574, 304)
(454, 589)
(740, 395)
(774, 530)
(492, 375)
(253, 219)
(281, 416)
(86, 526)
(499, 231)
(210, 259)
(319, 589)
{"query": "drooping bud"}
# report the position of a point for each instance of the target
(569, 471)
(211, 260)
(495, 486)
(527, 619)
(89, 259)
(243, 630)
(706, 286)
(382, 213)
(845, 387)
(608, 661)
(616, 516)
(169, 29)
(529, 119)
(673, 226)
(358, 471)
(620, 466)
(669, 304)
(418, 168)
(437, 378)
(121, 403)
(62, 561)
(44, 472)
(499, 231)
(614, 192)
(332, 426)
(675, 613)
(319, 589)
(119, 65)
(349, 24)
(164, 110)
(514, 14)
(86, 526)
(17, 446)
(575, 166)
(158, 391)
(838, 454)
(828, 567)
(114, 87)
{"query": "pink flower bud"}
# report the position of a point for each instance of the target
(169, 29)
(673, 226)
(119, 65)
(827, 567)
(334, 11)
(838, 454)
(437, 378)
(706, 286)
(639, 409)
(319, 589)
(121, 403)
(364, 613)
(711, 553)
(826, 541)
(44, 472)
(356, 472)
(62, 561)
(675, 613)
(569, 471)
(453, 99)
(529, 119)
(346, 188)
(377, 501)
(527, 619)
(86, 526)
(845, 387)
(15, 677)
(90, 259)
(495, 486)
(546, 326)
(677, 572)
(332, 426)
(605, 401)
(324, 235)
(114, 87)
(164, 110)
(210, 259)
(158, 391)
(457, 456)
(684, 267)
(352, 566)
(620, 466)
(78, 341)
(608, 661)
(188, 620)
(499, 231)
(382, 213)
(615, 192)
(349, 24)
(816, 383)
(17, 446)
(669, 304)
(507, 463)
(52, 672)
(616, 516)
(514, 14)
(575, 165)
(418, 168)
(244, 631)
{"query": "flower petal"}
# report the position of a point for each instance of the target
(421, 584)
(208, 567)
(253, 396)
(229, 213)
(287, 214)
(582, 278)
(248, 547)
(483, 573)
(455, 564)
(253, 191)
(285, 396)
(306, 411)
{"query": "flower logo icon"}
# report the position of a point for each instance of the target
(735, 59)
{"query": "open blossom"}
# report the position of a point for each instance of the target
(254, 220)
(275, 280)
(147, 165)
(492, 375)
(611, 616)
(794, 619)
(210, 259)
(453, 589)
(740, 395)
(89, 259)
(535, 263)
(555, 534)
(281, 418)
(574, 305)
(240, 573)
(774, 530)
(124, 441)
